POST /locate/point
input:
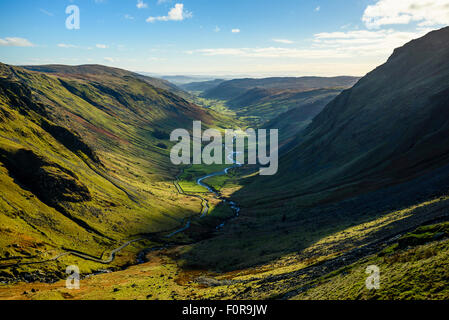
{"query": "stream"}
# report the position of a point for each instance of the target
(141, 255)
(206, 208)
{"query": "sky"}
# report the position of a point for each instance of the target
(216, 37)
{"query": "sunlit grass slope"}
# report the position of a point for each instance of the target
(413, 264)
(84, 160)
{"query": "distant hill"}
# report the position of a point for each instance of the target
(201, 86)
(377, 155)
(380, 132)
(259, 106)
(232, 89)
(257, 101)
(84, 71)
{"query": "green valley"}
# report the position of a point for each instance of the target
(85, 163)
(363, 180)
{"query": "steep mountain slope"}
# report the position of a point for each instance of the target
(353, 187)
(390, 127)
(258, 106)
(382, 145)
(252, 96)
(297, 118)
(229, 90)
(417, 255)
(84, 161)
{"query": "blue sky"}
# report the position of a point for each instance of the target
(217, 37)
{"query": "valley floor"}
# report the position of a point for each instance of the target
(413, 264)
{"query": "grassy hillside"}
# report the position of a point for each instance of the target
(84, 162)
(414, 268)
(413, 264)
(378, 147)
(293, 121)
(88, 70)
(376, 134)
(270, 108)
(365, 183)
(257, 101)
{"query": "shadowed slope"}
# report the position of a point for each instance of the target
(258, 101)
(390, 127)
(380, 146)
(231, 89)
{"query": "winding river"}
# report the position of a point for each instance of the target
(205, 204)
(204, 212)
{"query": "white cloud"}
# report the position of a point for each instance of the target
(101, 46)
(128, 17)
(273, 52)
(235, 30)
(303, 69)
(389, 12)
(366, 42)
(15, 42)
(141, 5)
(154, 59)
(349, 50)
(48, 13)
(330, 45)
(177, 13)
(217, 29)
(109, 59)
(317, 8)
(66, 46)
(284, 41)
(346, 26)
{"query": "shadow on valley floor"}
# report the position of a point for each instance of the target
(263, 234)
